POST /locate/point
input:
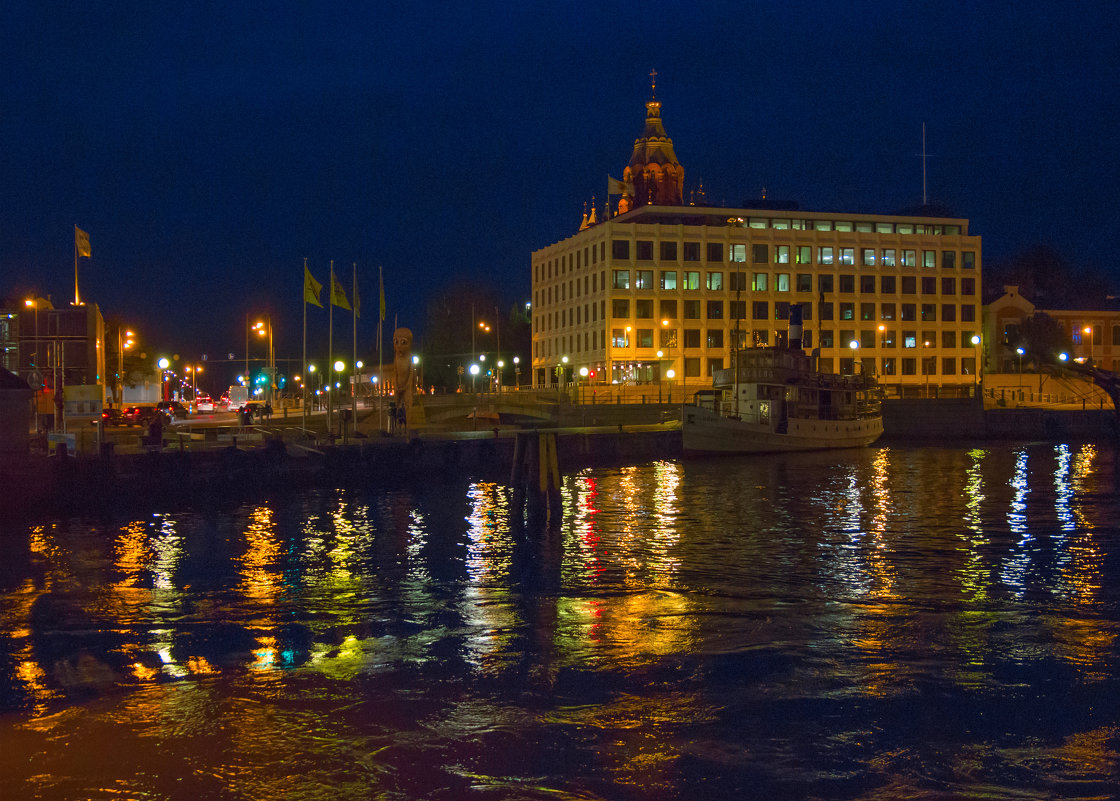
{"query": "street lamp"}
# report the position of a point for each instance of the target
(1020, 352)
(627, 345)
(265, 329)
(517, 371)
(311, 372)
(976, 369)
(124, 340)
(854, 345)
(194, 370)
(33, 303)
(339, 366)
(1089, 330)
(925, 365)
(163, 364)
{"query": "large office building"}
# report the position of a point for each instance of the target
(661, 285)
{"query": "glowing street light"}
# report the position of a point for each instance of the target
(163, 365)
(976, 369)
(1020, 352)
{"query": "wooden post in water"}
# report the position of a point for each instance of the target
(535, 477)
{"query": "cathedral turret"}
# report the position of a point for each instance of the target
(654, 173)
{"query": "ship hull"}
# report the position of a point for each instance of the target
(704, 431)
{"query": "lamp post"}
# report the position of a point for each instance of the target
(311, 373)
(193, 370)
(264, 328)
(1020, 352)
(33, 303)
(163, 365)
(628, 343)
(671, 374)
(854, 345)
(669, 339)
(517, 371)
(976, 369)
(124, 340)
(925, 365)
(1089, 330)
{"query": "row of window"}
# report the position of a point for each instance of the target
(887, 366)
(761, 253)
(689, 280)
(759, 310)
(784, 282)
(877, 227)
(763, 309)
(667, 340)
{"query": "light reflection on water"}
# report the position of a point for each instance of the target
(921, 622)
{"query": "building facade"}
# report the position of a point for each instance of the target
(1095, 334)
(662, 288)
(48, 346)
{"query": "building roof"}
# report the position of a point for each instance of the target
(654, 145)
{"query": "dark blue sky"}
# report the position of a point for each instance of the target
(207, 149)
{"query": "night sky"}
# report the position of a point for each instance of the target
(208, 148)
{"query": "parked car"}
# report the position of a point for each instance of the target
(139, 415)
(110, 417)
(174, 410)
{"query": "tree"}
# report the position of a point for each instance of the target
(1048, 280)
(1042, 338)
(451, 335)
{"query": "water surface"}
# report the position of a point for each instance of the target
(892, 622)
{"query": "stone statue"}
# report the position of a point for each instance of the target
(404, 377)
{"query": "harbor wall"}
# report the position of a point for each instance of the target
(966, 418)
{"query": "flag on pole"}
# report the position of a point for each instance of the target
(617, 187)
(311, 288)
(81, 242)
(338, 294)
(381, 283)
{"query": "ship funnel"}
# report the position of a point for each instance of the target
(795, 326)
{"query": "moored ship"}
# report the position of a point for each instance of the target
(773, 399)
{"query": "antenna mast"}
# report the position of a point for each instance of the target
(924, 156)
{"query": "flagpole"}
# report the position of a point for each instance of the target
(330, 352)
(303, 367)
(380, 357)
(77, 301)
(354, 364)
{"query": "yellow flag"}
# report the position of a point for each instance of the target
(338, 294)
(311, 288)
(81, 242)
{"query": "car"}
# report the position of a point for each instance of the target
(174, 410)
(204, 404)
(139, 415)
(110, 417)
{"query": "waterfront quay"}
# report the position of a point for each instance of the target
(210, 458)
